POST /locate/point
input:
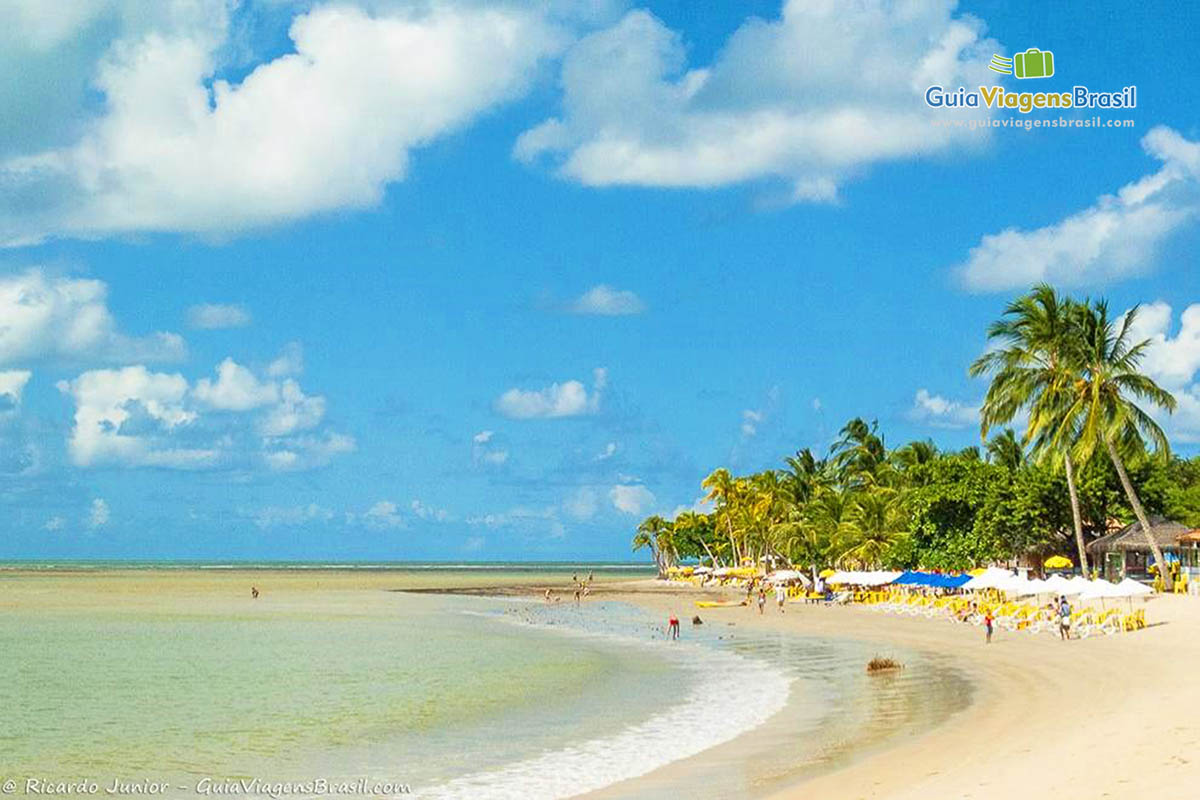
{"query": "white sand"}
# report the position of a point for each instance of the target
(1106, 717)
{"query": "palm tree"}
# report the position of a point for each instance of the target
(691, 529)
(915, 453)
(876, 522)
(1104, 407)
(1032, 370)
(1004, 450)
(723, 489)
(859, 453)
(654, 532)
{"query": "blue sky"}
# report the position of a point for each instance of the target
(457, 280)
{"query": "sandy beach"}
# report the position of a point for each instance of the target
(1109, 716)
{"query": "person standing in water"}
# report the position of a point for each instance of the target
(673, 627)
(762, 599)
(780, 596)
(254, 592)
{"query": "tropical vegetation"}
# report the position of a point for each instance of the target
(1069, 446)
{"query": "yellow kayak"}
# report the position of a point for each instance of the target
(719, 603)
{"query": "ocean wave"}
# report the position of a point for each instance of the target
(727, 695)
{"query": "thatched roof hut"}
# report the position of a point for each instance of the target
(1165, 531)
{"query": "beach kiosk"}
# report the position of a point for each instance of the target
(1125, 552)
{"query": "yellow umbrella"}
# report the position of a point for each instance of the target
(977, 572)
(825, 573)
(1058, 562)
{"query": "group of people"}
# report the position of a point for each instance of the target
(1058, 608)
(582, 588)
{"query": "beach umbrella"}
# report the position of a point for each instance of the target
(1131, 588)
(1058, 562)
(975, 573)
(992, 578)
(1060, 585)
(825, 573)
(785, 575)
(1100, 589)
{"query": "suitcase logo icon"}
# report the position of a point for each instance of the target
(1033, 63)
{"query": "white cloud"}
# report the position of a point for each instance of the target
(296, 411)
(290, 362)
(383, 515)
(291, 517)
(98, 513)
(486, 452)
(522, 519)
(125, 417)
(608, 452)
(483, 437)
(428, 513)
(137, 418)
(631, 499)
(69, 319)
(305, 452)
(938, 412)
(582, 504)
(1173, 362)
(699, 506)
(236, 389)
(323, 128)
(751, 419)
(606, 301)
(808, 99)
(214, 316)
(12, 386)
(1116, 237)
(55, 523)
(567, 399)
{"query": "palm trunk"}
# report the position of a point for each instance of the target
(711, 557)
(1140, 513)
(737, 556)
(1078, 521)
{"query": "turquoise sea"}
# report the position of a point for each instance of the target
(173, 679)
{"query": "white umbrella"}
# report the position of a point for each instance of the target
(784, 575)
(991, 578)
(1057, 583)
(1131, 588)
(1037, 586)
(1100, 588)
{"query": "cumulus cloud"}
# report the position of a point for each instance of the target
(69, 319)
(567, 399)
(55, 523)
(135, 417)
(938, 412)
(328, 126)
(1173, 362)
(604, 300)
(751, 419)
(290, 362)
(1116, 237)
(215, 316)
(486, 451)
(12, 385)
(806, 99)
(383, 515)
(98, 513)
(631, 499)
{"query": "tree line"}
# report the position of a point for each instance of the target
(1073, 447)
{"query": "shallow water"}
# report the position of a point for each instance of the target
(180, 676)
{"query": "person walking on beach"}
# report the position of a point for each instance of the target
(780, 596)
(254, 592)
(576, 595)
(762, 599)
(673, 627)
(987, 624)
(591, 575)
(549, 597)
(1064, 620)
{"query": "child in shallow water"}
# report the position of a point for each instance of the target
(673, 627)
